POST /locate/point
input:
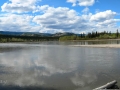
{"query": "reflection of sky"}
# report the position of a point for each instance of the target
(57, 66)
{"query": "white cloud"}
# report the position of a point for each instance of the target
(19, 6)
(13, 22)
(103, 20)
(72, 1)
(65, 19)
(85, 10)
(82, 2)
(86, 2)
(101, 16)
(59, 19)
(108, 23)
(52, 20)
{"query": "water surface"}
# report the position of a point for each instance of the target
(57, 66)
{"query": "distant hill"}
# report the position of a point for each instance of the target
(36, 34)
(24, 33)
(10, 33)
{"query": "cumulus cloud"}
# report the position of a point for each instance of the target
(52, 20)
(72, 1)
(105, 19)
(13, 22)
(82, 2)
(65, 19)
(85, 10)
(19, 6)
(101, 16)
(86, 2)
(60, 18)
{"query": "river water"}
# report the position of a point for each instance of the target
(57, 66)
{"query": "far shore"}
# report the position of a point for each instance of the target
(96, 39)
(100, 45)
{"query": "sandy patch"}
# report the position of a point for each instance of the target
(100, 45)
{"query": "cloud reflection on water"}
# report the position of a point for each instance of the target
(55, 66)
(34, 65)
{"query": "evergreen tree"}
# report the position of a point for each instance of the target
(117, 33)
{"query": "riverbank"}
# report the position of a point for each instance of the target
(96, 40)
(100, 45)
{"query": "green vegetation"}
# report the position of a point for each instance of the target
(27, 37)
(91, 36)
(13, 38)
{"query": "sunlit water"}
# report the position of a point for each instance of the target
(57, 66)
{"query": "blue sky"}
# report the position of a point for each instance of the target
(51, 16)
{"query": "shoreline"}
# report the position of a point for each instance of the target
(97, 39)
(99, 46)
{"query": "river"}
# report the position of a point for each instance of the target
(57, 66)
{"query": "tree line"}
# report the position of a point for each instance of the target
(14, 38)
(89, 36)
(92, 36)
